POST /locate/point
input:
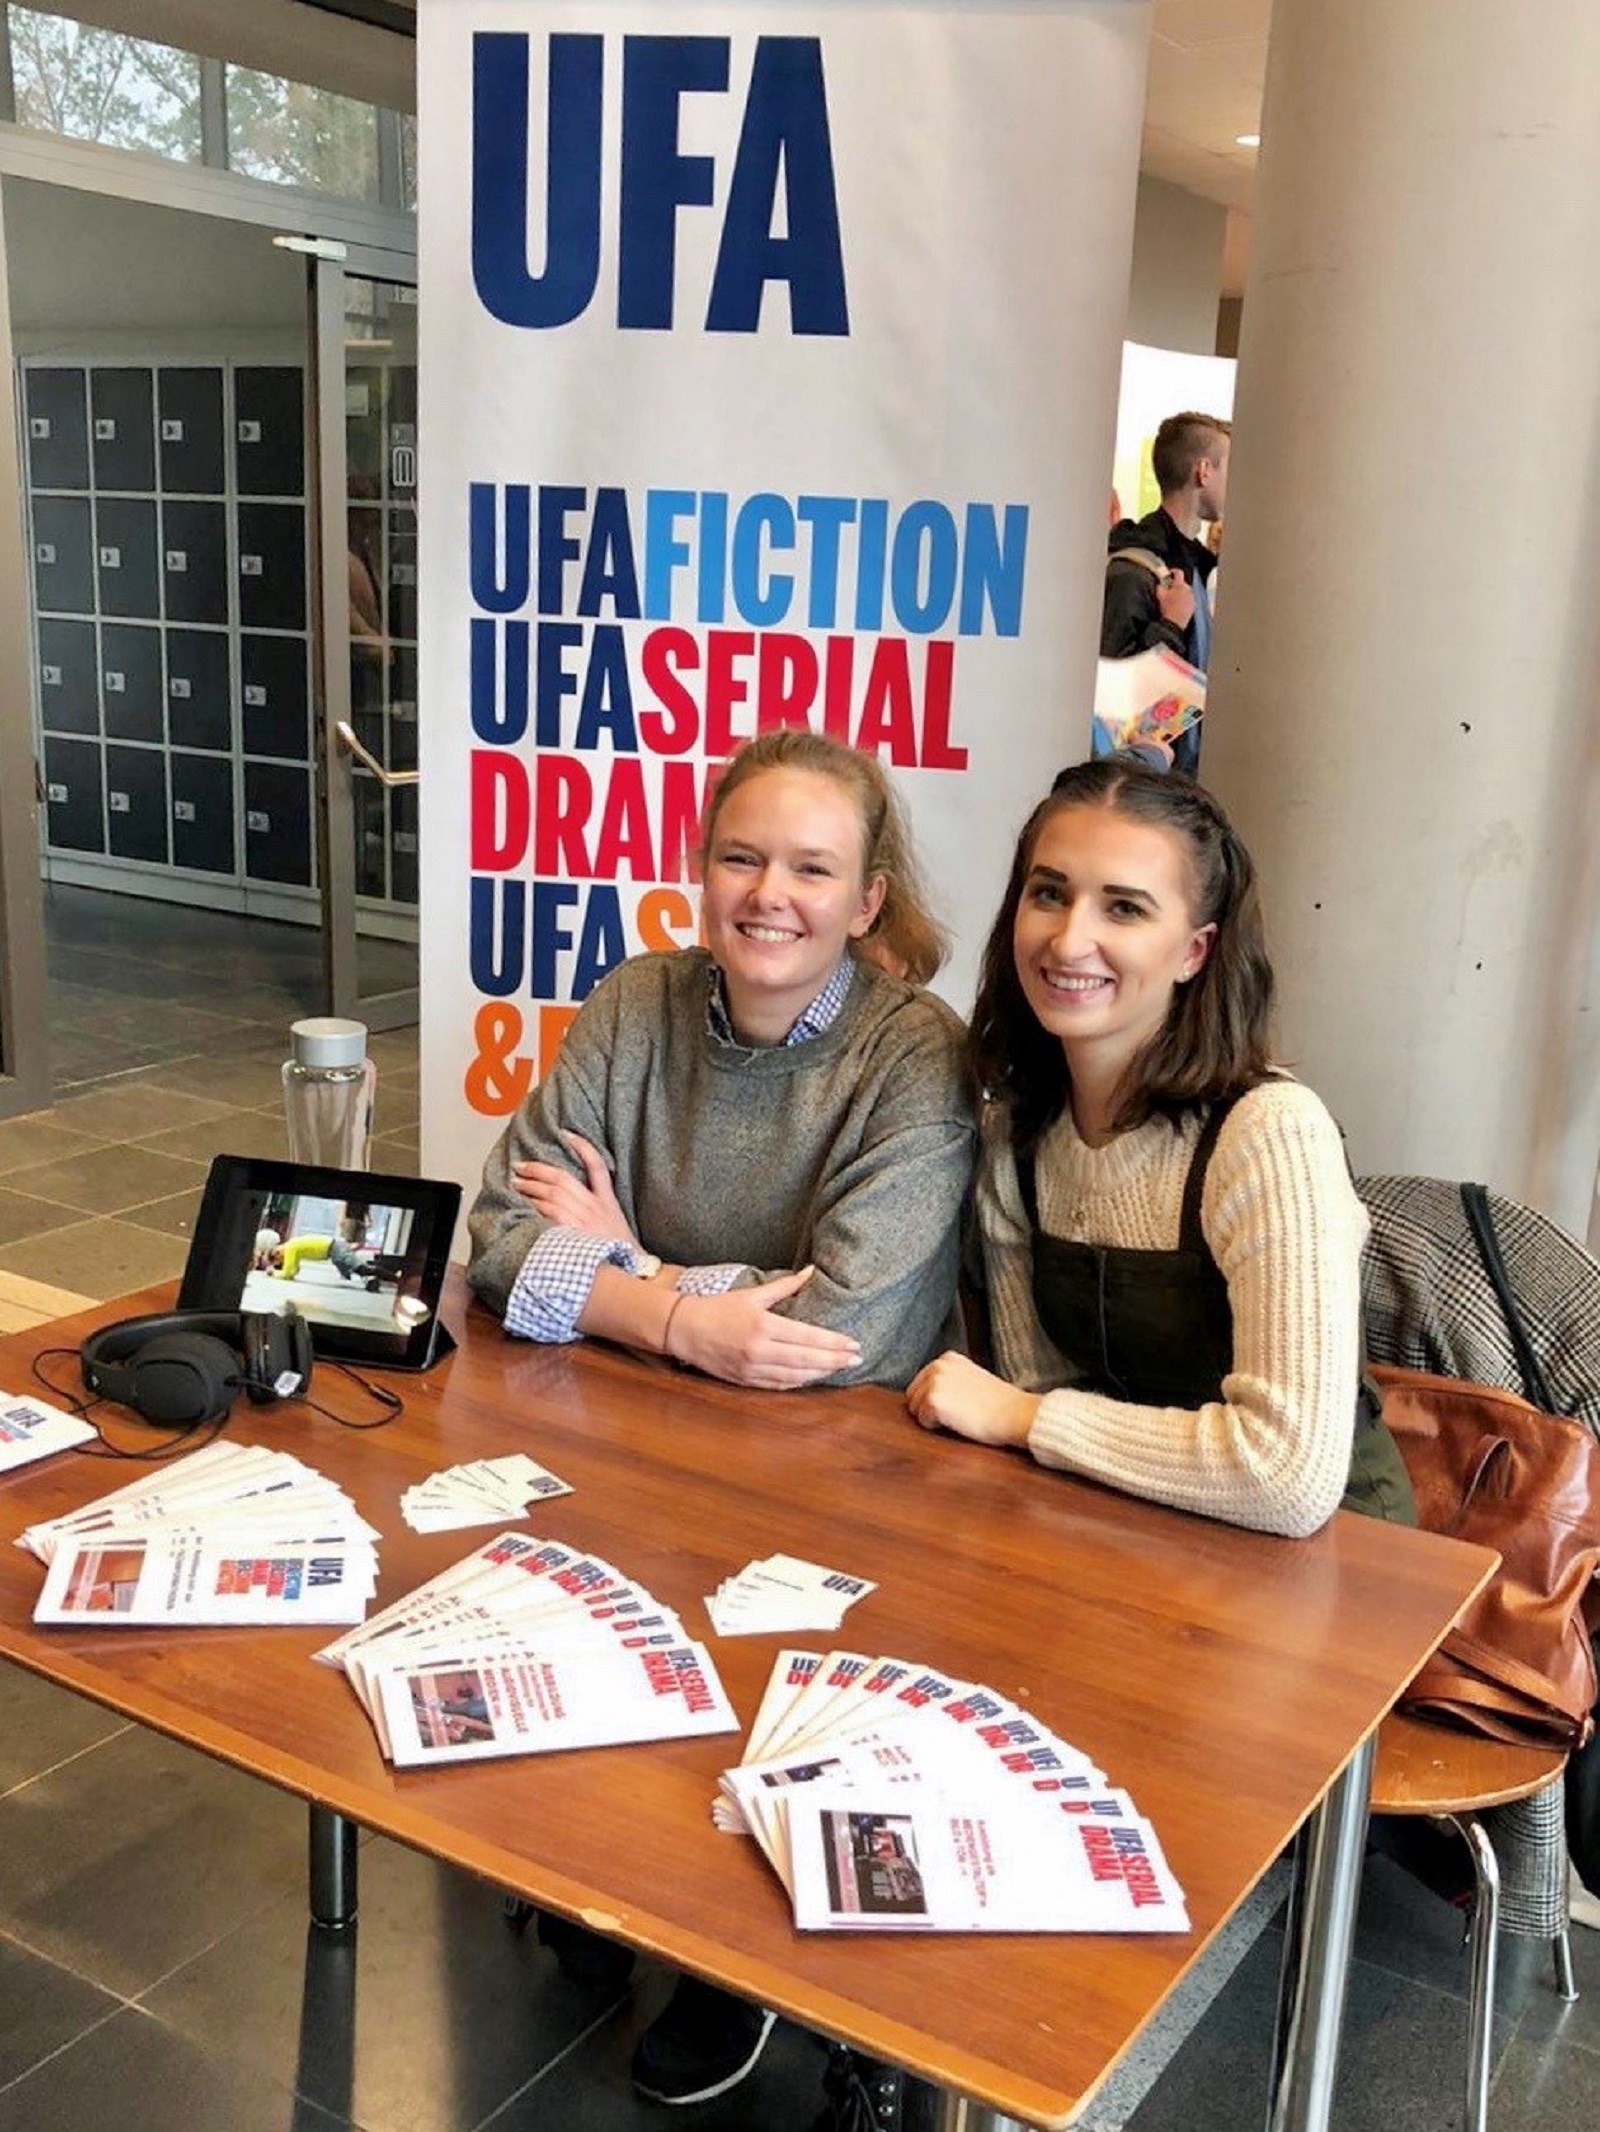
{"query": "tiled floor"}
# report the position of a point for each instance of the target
(156, 1967)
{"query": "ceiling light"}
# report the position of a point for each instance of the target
(1247, 140)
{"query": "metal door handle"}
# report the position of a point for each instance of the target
(352, 746)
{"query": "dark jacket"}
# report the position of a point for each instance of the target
(1130, 620)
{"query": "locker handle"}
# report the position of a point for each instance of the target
(352, 746)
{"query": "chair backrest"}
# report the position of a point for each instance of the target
(1429, 1304)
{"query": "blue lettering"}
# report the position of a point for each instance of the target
(664, 551)
(499, 582)
(871, 548)
(553, 682)
(713, 555)
(785, 132)
(993, 568)
(608, 570)
(924, 548)
(507, 290)
(551, 934)
(499, 724)
(497, 930)
(607, 702)
(656, 178)
(604, 943)
(762, 518)
(827, 516)
(557, 546)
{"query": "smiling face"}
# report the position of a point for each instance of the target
(1105, 931)
(784, 895)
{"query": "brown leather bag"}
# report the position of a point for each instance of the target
(1488, 1467)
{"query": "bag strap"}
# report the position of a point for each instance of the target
(1535, 1385)
(1142, 559)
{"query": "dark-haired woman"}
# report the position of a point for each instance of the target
(1170, 1238)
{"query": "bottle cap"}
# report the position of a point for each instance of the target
(328, 1040)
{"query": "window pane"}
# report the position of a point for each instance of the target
(292, 134)
(98, 85)
(408, 161)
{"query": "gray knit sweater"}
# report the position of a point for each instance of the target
(851, 1152)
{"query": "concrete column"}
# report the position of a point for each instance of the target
(1405, 686)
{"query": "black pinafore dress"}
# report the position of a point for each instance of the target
(1156, 1328)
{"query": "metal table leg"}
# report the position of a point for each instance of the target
(957, 2114)
(332, 1869)
(1316, 1950)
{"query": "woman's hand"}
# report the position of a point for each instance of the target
(952, 1393)
(741, 1338)
(589, 1204)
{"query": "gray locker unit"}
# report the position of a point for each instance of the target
(167, 512)
(136, 803)
(130, 679)
(69, 677)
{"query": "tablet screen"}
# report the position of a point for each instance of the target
(360, 1257)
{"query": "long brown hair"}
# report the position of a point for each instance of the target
(904, 937)
(1214, 1041)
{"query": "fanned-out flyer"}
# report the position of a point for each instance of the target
(889, 1796)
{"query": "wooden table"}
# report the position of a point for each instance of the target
(1228, 1680)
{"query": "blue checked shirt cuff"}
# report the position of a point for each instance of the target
(707, 1280)
(548, 1295)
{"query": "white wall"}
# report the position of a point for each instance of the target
(1177, 269)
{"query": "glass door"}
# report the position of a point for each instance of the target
(366, 340)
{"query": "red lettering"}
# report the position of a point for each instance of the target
(624, 837)
(786, 680)
(683, 806)
(886, 710)
(725, 688)
(937, 753)
(501, 811)
(671, 729)
(839, 672)
(563, 797)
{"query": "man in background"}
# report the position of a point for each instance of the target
(1159, 567)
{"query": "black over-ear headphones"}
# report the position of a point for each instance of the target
(183, 1367)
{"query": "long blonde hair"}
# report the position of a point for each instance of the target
(904, 937)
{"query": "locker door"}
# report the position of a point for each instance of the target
(275, 710)
(277, 823)
(57, 423)
(69, 678)
(126, 557)
(198, 713)
(130, 682)
(269, 432)
(202, 813)
(75, 808)
(272, 565)
(194, 561)
(123, 425)
(63, 555)
(189, 404)
(136, 803)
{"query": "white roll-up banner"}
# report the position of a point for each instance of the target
(769, 367)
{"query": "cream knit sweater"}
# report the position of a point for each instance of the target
(1284, 1225)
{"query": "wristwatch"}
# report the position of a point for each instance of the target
(645, 1265)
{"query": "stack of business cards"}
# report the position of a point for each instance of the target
(231, 1536)
(486, 1492)
(31, 1429)
(783, 1596)
(890, 1795)
(523, 1647)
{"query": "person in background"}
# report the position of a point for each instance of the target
(752, 1158)
(1159, 567)
(1170, 1237)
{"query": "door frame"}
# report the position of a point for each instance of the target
(384, 241)
(331, 706)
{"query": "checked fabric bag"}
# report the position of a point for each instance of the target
(1507, 1473)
